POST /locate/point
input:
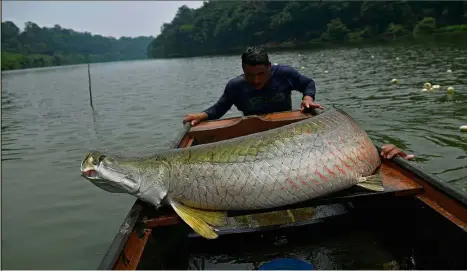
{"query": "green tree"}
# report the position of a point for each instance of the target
(226, 26)
(335, 31)
(425, 27)
(41, 47)
(396, 30)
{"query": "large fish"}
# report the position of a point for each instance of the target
(294, 163)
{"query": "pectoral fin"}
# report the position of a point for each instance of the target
(200, 220)
(372, 182)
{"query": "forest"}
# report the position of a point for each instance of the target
(220, 27)
(228, 26)
(54, 46)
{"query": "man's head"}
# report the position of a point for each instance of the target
(256, 66)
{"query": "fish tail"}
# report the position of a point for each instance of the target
(372, 182)
(201, 221)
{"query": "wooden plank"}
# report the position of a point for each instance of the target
(459, 222)
(189, 142)
(121, 238)
(165, 220)
(131, 254)
(265, 220)
(396, 182)
(438, 194)
(213, 131)
(268, 118)
(280, 219)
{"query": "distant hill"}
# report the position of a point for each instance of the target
(229, 26)
(42, 46)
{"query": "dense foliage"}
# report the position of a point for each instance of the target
(224, 26)
(41, 47)
(228, 26)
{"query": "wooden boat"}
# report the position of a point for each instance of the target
(419, 222)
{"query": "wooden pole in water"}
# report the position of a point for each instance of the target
(90, 93)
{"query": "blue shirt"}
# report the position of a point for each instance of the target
(275, 96)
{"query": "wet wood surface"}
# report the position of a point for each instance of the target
(131, 254)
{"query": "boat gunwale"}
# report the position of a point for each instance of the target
(134, 216)
(447, 188)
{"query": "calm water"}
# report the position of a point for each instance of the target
(52, 218)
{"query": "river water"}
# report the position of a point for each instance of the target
(54, 219)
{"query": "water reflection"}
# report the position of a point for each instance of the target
(10, 126)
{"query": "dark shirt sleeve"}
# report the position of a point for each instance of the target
(300, 82)
(223, 105)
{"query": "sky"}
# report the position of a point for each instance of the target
(106, 18)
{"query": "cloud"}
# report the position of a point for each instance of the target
(106, 18)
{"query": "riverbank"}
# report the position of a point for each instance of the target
(17, 61)
(442, 36)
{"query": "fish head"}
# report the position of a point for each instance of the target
(109, 175)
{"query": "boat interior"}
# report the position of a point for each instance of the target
(365, 233)
(413, 224)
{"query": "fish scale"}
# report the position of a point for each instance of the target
(326, 162)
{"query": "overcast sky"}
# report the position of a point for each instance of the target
(107, 18)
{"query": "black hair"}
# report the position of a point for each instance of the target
(254, 55)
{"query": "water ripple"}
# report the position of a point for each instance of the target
(48, 126)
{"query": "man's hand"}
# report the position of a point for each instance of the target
(388, 151)
(195, 118)
(307, 102)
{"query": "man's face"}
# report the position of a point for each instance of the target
(257, 75)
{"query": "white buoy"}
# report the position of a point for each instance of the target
(450, 90)
(463, 128)
(426, 86)
(448, 71)
(325, 71)
(303, 67)
(435, 87)
(395, 81)
(372, 56)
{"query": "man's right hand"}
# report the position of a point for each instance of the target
(307, 102)
(195, 118)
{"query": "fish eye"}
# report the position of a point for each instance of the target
(101, 158)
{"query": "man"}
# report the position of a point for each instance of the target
(263, 89)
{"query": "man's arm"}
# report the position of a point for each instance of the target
(300, 82)
(223, 105)
(303, 84)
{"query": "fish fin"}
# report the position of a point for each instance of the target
(201, 221)
(289, 212)
(372, 182)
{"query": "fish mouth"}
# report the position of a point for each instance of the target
(90, 174)
(88, 167)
